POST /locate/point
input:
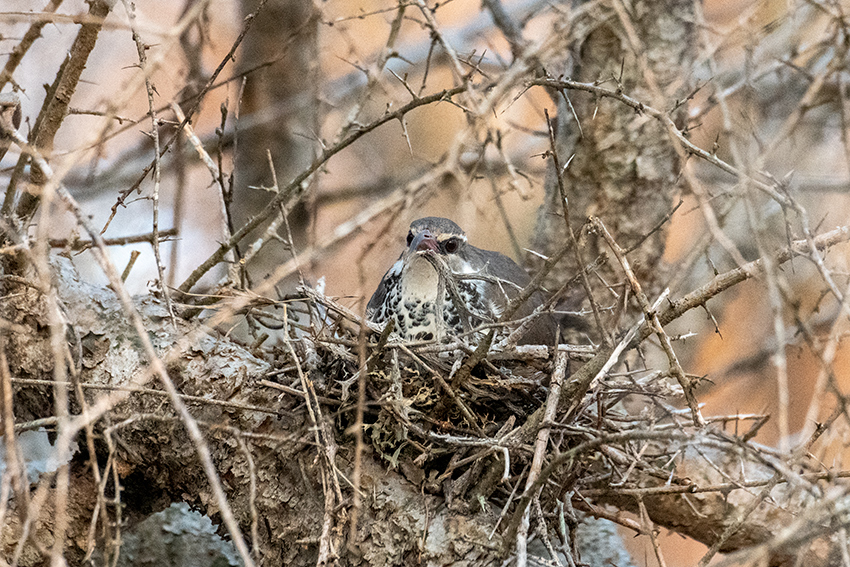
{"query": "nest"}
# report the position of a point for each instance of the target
(470, 433)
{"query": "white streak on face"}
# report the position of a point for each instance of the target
(458, 265)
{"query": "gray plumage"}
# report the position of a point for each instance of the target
(483, 282)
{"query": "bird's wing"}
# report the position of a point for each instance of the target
(380, 295)
(501, 266)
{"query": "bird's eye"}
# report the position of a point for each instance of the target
(409, 237)
(452, 245)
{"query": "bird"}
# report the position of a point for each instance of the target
(476, 286)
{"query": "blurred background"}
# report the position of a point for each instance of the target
(769, 86)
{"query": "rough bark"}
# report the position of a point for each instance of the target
(157, 460)
(399, 524)
(623, 166)
(301, 509)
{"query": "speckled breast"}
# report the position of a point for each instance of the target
(415, 317)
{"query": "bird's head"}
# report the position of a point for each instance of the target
(438, 235)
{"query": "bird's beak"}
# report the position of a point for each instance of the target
(423, 241)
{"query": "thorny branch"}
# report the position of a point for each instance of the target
(662, 116)
(156, 362)
(575, 442)
(652, 322)
(291, 191)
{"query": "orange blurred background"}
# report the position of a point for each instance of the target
(737, 361)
